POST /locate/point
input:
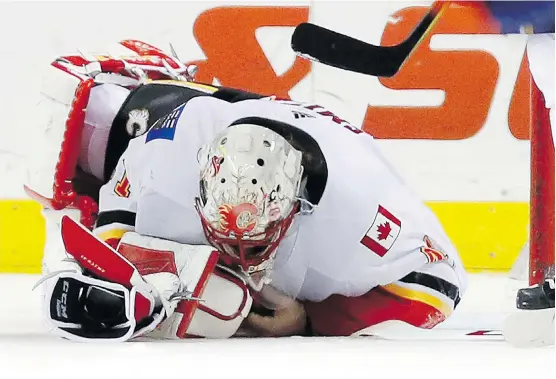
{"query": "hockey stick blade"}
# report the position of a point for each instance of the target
(338, 50)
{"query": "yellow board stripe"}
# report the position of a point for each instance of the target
(420, 296)
(22, 236)
(488, 235)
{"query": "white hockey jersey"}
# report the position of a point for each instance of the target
(367, 230)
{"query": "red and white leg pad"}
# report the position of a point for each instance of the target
(224, 298)
(226, 303)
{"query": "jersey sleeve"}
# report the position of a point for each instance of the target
(117, 204)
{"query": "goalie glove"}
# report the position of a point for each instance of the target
(110, 298)
(83, 308)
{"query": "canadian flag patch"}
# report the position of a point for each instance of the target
(383, 232)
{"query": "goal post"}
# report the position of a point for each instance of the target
(542, 193)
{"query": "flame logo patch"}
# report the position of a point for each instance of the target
(239, 219)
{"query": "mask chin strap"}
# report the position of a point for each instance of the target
(265, 268)
(257, 287)
(305, 206)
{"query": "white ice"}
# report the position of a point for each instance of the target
(27, 350)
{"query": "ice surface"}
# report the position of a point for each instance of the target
(27, 350)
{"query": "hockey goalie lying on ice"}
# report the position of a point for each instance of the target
(225, 213)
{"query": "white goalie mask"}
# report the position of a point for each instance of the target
(249, 187)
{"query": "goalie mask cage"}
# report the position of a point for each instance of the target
(542, 191)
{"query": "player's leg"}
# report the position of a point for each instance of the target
(423, 305)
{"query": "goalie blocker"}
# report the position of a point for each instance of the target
(148, 287)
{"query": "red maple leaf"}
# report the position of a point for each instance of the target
(384, 230)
